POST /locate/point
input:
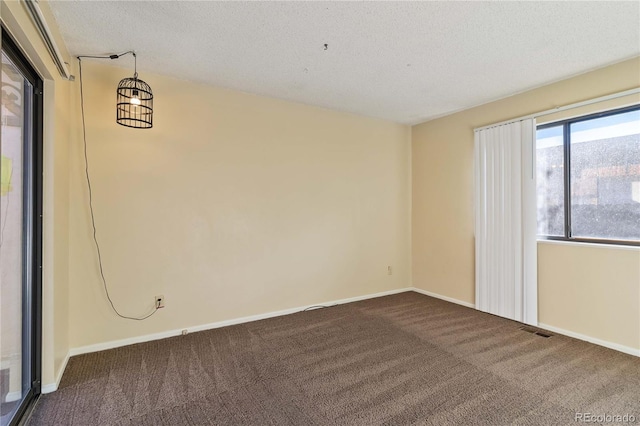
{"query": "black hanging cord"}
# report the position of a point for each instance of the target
(86, 169)
(135, 65)
(115, 56)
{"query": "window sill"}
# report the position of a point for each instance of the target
(588, 244)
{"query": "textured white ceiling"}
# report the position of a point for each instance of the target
(403, 61)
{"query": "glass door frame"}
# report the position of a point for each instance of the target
(31, 229)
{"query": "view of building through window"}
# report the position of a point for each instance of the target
(550, 180)
(603, 177)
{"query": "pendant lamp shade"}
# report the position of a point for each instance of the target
(134, 105)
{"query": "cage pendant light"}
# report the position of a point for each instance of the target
(134, 104)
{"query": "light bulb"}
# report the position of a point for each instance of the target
(135, 99)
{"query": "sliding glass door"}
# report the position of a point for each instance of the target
(20, 233)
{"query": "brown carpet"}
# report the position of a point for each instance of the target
(395, 360)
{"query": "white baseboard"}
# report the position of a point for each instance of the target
(606, 344)
(49, 387)
(446, 298)
(52, 387)
(171, 333)
(13, 396)
(615, 346)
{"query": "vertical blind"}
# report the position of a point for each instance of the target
(505, 228)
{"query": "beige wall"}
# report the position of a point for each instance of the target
(59, 133)
(442, 216)
(232, 205)
(591, 290)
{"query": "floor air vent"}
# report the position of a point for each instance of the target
(536, 331)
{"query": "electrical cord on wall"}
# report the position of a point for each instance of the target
(93, 221)
(314, 307)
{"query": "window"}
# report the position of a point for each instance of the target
(20, 233)
(588, 178)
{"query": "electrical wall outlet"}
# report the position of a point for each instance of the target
(159, 301)
(389, 270)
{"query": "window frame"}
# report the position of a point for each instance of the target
(567, 177)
